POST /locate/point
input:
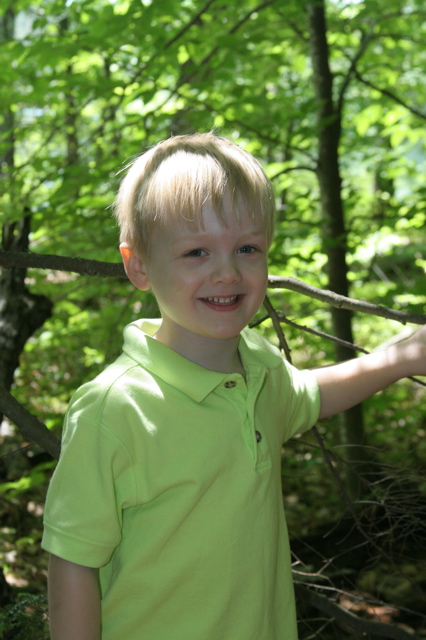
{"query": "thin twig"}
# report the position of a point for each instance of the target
(277, 326)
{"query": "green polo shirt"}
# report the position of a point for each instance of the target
(169, 481)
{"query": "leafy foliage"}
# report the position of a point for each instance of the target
(27, 618)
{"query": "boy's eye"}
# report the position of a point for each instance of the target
(195, 253)
(247, 248)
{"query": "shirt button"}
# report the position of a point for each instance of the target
(258, 436)
(229, 384)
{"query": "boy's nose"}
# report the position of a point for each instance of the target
(226, 271)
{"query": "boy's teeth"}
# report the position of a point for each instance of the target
(221, 300)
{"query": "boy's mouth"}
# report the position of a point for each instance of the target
(220, 300)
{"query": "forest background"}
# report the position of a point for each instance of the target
(330, 97)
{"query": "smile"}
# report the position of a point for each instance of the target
(217, 300)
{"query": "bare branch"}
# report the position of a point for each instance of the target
(277, 326)
(319, 334)
(29, 426)
(82, 266)
(342, 302)
(359, 625)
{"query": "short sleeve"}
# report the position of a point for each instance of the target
(304, 402)
(92, 483)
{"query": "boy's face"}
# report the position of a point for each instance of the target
(208, 282)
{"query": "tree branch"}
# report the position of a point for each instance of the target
(359, 625)
(277, 326)
(390, 95)
(81, 266)
(289, 169)
(336, 300)
(29, 426)
(320, 334)
(351, 72)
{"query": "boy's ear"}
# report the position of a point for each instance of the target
(134, 267)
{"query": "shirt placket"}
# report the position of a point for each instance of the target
(243, 396)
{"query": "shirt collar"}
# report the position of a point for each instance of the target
(183, 374)
(159, 359)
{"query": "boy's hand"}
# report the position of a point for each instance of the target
(346, 384)
(411, 353)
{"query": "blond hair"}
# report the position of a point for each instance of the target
(178, 175)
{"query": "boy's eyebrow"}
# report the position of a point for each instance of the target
(200, 238)
(254, 231)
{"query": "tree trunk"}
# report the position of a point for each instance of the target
(334, 231)
(21, 312)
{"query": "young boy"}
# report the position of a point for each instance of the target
(164, 518)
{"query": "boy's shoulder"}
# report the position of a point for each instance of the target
(116, 380)
(110, 384)
(255, 349)
(253, 343)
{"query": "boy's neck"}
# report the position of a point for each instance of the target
(219, 355)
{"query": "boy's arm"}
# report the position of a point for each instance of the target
(74, 601)
(345, 384)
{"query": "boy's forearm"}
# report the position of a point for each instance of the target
(74, 601)
(348, 383)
